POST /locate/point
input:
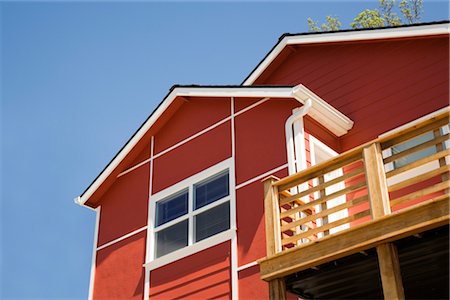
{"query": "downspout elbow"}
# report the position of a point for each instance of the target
(297, 115)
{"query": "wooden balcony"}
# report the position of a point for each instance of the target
(388, 189)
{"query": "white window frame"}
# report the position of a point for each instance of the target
(192, 247)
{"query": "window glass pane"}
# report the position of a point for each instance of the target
(172, 238)
(212, 221)
(417, 155)
(211, 190)
(172, 207)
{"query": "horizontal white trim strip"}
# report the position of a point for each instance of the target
(122, 238)
(134, 167)
(189, 250)
(250, 107)
(249, 265)
(193, 137)
(259, 177)
(402, 32)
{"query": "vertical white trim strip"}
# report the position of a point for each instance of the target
(249, 265)
(191, 217)
(94, 254)
(148, 244)
(234, 245)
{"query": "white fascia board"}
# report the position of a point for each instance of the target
(321, 111)
(255, 92)
(401, 32)
(335, 121)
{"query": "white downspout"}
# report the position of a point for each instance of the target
(296, 149)
(296, 159)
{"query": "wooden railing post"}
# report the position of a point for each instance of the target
(380, 206)
(277, 287)
(376, 181)
(272, 216)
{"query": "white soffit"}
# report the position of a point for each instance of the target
(332, 119)
(322, 112)
(346, 36)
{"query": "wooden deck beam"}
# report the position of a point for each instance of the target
(388, 228)
(277, 289)
(391, 277)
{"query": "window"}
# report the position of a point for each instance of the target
(197, 211)
(414, 156)
(407, 159)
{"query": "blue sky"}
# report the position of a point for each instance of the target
(78, 78)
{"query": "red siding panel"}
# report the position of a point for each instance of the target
(119, 273)
(251, 287)
(191, 158)
(250, 221)
(204, 275)
(193, 116)
(260, 138)
(124, 205)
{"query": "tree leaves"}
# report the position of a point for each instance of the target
(384, 16)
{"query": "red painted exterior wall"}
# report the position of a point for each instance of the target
(361, 79)
(380, 85)
(203, 275)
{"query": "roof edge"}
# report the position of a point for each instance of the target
(401, 31)
(323, 112)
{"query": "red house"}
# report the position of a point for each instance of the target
(354, 122)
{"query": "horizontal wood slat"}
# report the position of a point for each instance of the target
(420, 178)
(339, 222)
(417, 148)
(320, 169)
(429, 190)
(324, 213)
(418, 163)
(342, 192)
(322, 186)
(413, 131)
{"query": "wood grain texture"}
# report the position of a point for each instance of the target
(392, 227)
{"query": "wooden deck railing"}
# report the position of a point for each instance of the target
(383, 176)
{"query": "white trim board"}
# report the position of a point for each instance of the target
(321, 111)
(347, 36)
(94, 254)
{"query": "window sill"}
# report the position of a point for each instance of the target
(189, 250)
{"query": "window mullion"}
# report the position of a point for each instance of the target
(191, 217)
